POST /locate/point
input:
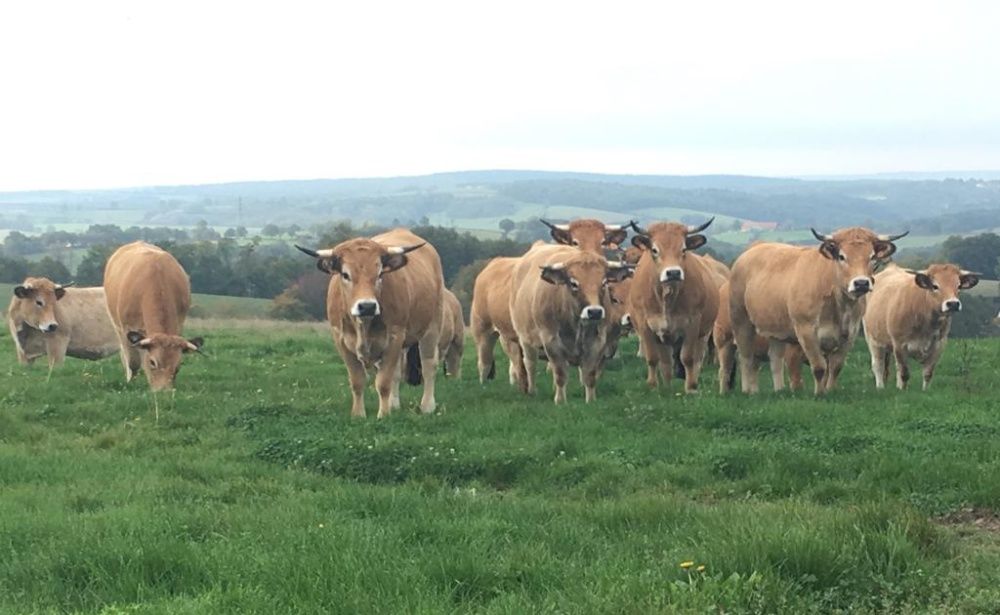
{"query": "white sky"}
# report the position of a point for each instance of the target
(99, 94)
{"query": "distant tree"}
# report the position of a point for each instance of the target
(18, 244)
(90, 271)
(230, 233)
(270, 230)
(507, 225)
(50, 268)
(975, 253)
(241, 232)
(12, 270)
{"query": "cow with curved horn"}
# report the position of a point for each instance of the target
(588, 234)
(909, 315)
(815, 297)
(48, 319)
(385, 298)
(673, 300)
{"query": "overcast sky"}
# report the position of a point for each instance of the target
(105, 94)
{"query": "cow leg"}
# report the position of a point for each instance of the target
(529, 357)
(806, 335)
(725, 350)
(560, 376)
(880, 357)
(793, 361)
(744, 335)
(387, 372)
(648, 345)
(834, 365)
(428, 366)
(666, 354)
(588, 378)
(131, 359)
(358, 378)
(515, 366)
(776, 356)
(931, 362)
(692, 356)
(394, 401)
(453, 359)
(902, 366)
(485, 360)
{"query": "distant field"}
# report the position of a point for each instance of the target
(256, 493)
(202, 306)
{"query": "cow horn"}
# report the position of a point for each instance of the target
(405, 249)
(964, 272)
(638, 229)
(193, 348)
(316, 253)
(893, 237)
(697, 229)
(614, 227)
(555, 227)
(821, 236)
(66, 285)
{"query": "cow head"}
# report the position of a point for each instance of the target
(944, 282)
(856, 252)
(668, 244)
(361, 264)
(588, 235)
(35, 303)
(161, 355)
(586, 278)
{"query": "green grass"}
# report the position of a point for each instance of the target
(256, 493)
(202, 306)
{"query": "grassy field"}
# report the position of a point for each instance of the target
(256, 493)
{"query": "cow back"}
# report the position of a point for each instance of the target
(146, 289)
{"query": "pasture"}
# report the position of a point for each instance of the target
(256, 493)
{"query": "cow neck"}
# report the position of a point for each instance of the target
(159, 313)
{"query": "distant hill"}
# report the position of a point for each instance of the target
(478, 200)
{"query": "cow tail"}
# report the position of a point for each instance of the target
(493, 370)
(732, 372)
(414, 373)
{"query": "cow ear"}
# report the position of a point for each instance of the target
(328, 264)
(619, 274)
(923, 280)
(554, 275)
(693, 242)
(642, 242)
(60, 292)
(967, 280)
(134, 337)
(829, 249)
(615, 238)
(884, 249)
(22, 292)
(393, 261)
(194, 344)
(561, 235)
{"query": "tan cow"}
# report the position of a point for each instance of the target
(815, 297)
(452, 344)
(909, 314)
(489, 318)
(674, 300)
(725, 347)
(148, 295)
(385, 298)
(58, 321)
(560, 305)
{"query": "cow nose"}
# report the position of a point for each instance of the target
(672, 274)
(51, 327)
(366, 307)
(953, 305)
(861, 285)
(594, 312)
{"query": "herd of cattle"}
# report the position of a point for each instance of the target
(566, 302)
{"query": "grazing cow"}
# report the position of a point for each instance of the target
(725, 347)
(385, 298)
(560, 304)
(452, 344)
(674, 299)
(909, 314)
(588, 235)
(148, 295)
(490, 319)
(813, 297)
(55, 320)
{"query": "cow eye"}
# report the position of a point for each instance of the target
(935, 286)
(40, 303)
(574, 284)
(656, 251)
(575, 242)
(346, 276)
(841, 257)
(152, 363)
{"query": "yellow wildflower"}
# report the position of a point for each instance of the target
(686, 565)
(700, 568)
